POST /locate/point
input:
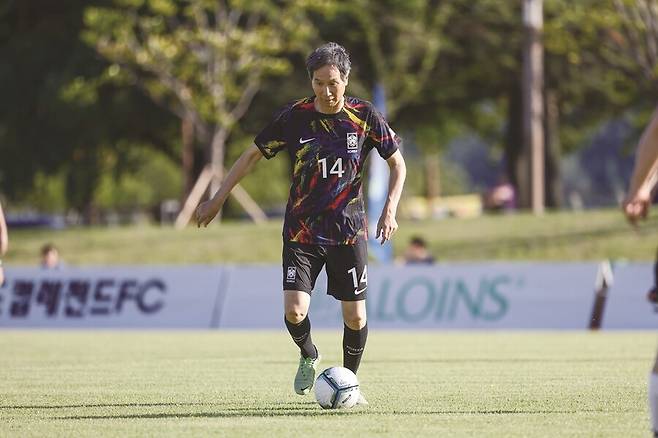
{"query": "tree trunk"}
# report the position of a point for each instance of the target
(217, 158)
(433, 179)
(514, 139)
(553, 152)
(533, 107)
(187, 155)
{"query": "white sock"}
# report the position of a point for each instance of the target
(653, 400)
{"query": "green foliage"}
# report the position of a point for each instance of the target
(449, 67)
(201, 58)
(48, 193)
(56, 119)
(452, 179)
(468, 87)
(595, 62)
(273, 194)
(398, 49)
(153, 178)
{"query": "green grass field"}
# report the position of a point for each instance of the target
(560, 236)
(507, 384)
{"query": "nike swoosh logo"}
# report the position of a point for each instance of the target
(357, 292)
(302, 141)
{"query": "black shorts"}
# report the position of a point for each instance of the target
(346, 266)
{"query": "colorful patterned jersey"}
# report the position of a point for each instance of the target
(328, 152)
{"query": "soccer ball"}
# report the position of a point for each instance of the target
(337, 388)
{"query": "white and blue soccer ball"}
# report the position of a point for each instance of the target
(337, 388)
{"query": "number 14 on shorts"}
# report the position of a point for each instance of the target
(357, 282)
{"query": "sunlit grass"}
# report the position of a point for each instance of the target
(566, 236)
(507, 384)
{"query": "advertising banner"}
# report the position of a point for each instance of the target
(126, 297)
(486, 296)
(447, 296)
(626, 305)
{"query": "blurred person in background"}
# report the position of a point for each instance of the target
(328, 136)
(50, 257)
(4, 243)
(417, 253)
(501, 197)
(636, 207)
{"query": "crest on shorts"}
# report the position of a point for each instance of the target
(291, 274)
(352, 142)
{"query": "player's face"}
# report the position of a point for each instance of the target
(329, 88)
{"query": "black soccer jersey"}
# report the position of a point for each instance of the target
(328, 152)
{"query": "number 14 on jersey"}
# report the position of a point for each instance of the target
(336, 168)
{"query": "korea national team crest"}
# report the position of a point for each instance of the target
(291, 274)
(352, 142)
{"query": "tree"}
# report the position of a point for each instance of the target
(203, 60)
(639, 41)
(397, 50)
(51, 122)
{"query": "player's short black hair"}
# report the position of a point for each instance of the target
(329, 54)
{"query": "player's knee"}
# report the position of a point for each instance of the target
(355, 321)
(295, 315)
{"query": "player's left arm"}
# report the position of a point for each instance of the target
(637, 202)
(387, 225)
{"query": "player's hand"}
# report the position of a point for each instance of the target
(637, 207)
(206, 212)
(386, 226)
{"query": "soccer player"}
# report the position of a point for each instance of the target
(636, 207)
(4, 243)
(328, 138)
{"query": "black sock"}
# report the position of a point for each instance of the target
(301, 335)
(354, 341)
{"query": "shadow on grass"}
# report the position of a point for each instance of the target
(99, 405)
(316, 411)
(291, 405)
(468, 360)
(310, 410)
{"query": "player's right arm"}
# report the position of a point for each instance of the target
(206, 211)
(637, 202)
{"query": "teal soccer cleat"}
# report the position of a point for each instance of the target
(306, 374)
